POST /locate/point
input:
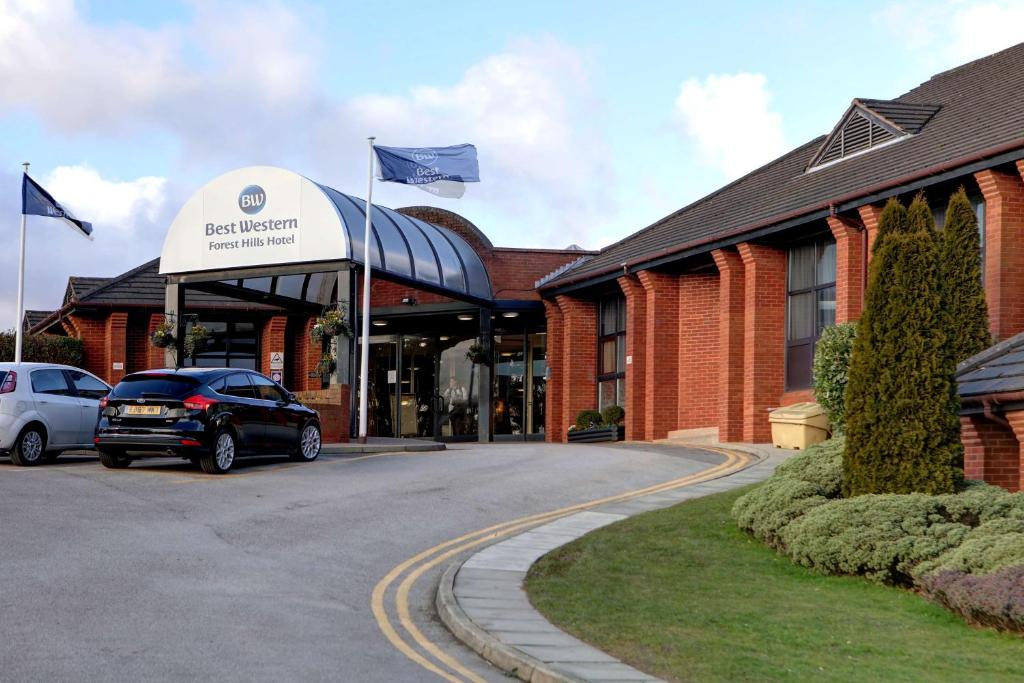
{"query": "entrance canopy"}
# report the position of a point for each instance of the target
(265, 217)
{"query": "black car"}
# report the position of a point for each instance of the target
(210, 416)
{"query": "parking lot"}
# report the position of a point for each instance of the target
(161, 572)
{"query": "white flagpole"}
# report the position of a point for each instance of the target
(364, 361)
(19, 329)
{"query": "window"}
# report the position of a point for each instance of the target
(611, 353)
(230, 345)
(88, 386)
(266, 390)
(154, 386)
(50, 382)
(810, 306)
(238, 385)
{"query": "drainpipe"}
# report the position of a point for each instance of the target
(987, 406)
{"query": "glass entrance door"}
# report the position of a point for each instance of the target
(382, 397)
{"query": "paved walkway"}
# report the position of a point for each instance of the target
(483, 602)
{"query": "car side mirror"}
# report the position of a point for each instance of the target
(292, 398)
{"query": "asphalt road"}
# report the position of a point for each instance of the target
(159, 572)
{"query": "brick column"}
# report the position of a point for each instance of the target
(661, 366)
(154, 356)
(764, 336)
(307, 355)
(869, 215)
(116, 335)
(554, 428)
(991, 450)
(636, 349)
(731, 300)
(579, 357)
(849, 267)
(271, 339)
(1004, 250)
(699, 339)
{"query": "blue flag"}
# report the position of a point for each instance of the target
(426, 165)
(35, 201)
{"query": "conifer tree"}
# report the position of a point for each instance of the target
(902, 434)
(963, 293)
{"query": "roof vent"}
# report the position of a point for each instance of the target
(868, 124)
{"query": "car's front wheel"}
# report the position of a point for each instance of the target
(222, 456)
(114, 459)
(309, 444)
(30, 447)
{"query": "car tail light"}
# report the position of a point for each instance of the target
(190, 442)
(10, 383)
(199, 402)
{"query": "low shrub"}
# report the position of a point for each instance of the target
(43, 348)
(612, 415)
(821, 465)
(992, 546)
(587, 419)
(995, 600)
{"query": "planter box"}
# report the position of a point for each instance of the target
(597, 434)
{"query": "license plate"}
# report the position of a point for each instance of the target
(142, 410)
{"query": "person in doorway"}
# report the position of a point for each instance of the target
(454, 397)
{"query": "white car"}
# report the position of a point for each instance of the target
(46, 409)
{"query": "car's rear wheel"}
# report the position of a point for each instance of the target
(114, 459)
(222, 456)
(30, 447)
(309, 444)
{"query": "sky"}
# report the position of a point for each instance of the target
(592, 120)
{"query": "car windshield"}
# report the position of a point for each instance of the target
(154, 386)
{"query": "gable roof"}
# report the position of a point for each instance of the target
(977, 113)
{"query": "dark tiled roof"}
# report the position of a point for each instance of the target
(33, 318)
(906, 116)
(981, 108)
(996, 370)
(79, 286)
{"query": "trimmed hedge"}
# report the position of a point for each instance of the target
(43, 348)
(831, 371)
(965, 550)
(586, 419)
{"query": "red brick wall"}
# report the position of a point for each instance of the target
(307, 355)
(1004, 250)
(138, 343)
(156, 357)
(661, 365)
(699, 339)
(271, 339)
(991, 451)
(731, 304)
(636, 348)
(849, 267)
(579, 357)
(554, 428)
(514, 271)
(116, 350)
(764, 337)
(92, 330)
(333, 405)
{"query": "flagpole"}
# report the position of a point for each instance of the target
(364, 364)
(19, 330)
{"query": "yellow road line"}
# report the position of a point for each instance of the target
(455, 546)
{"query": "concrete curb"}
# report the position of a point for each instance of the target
(514, 660)
(367, 449)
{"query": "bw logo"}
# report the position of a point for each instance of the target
(252, 199)
(424, 156)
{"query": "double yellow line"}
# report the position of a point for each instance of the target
(433, 658)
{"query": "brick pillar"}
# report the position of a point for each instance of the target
(764, 336)
(699, 339)
(116, 335)
(1004, 250)
(271, 339)
(991, 450)
(579, 357)
(869, 215)
(554, 428)
(849, 267)
(636, 349)
(154, 356)
(661, 367)
(307, 355)
(731, 301)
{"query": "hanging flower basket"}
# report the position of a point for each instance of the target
(327, 364)
(163, 336)
(477, 354)
(195, 340)
(332, 323)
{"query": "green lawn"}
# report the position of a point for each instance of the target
(682, 594)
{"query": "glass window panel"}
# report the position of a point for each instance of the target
(798, 366)
(313, 287)
(620, 393)
(826, 308)
(620, 358)
(608, 316)
(801, 267)
(290, 286)
(620, 319)
(260, 284)
(608, 356)
(801, 316)
(826, 269)
(606, 393)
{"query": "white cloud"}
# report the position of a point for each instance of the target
(730, 119)
(108, 204)
(951, 32)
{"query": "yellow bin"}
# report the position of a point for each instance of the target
(798, 426)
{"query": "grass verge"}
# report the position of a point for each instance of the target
(682, 594)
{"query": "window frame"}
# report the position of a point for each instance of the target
(618, 335)
(819, 241)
